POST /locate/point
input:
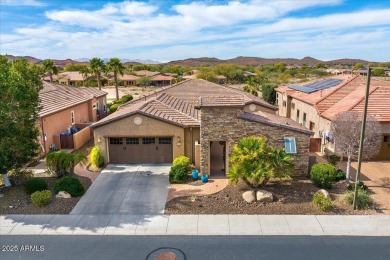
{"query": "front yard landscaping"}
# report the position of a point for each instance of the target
(290, 197)
(17, 201)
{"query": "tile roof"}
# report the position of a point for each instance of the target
(161, 78)
(348, 96)
(275, 120)
(55, 97)
(128, 77)
(146, 73)
(71, 75)
(177, 103)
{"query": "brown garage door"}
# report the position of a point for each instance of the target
(141, 150)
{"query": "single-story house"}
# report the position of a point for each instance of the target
(128, 80)
(198, 119)
(67, 109)
(221, 79)
(146, 73)
(161, 80)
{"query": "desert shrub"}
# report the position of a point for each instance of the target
(340, 175)
(114, 108)
(178, 174)
(363, 200)
(333, 159)
(323, 174)
(71, 185)
(127, 98)
(183, 160)
(361, 186)
(117, 101)
(255, 162)
(62, 163)
(97, 158)
(41, 198)
(19, 176)
(322, 202)
(35, 184)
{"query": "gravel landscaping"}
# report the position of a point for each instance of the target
(17, 201)
(290, 197)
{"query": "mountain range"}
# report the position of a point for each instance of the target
(255, 61)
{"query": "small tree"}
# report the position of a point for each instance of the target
(143, 81)
(252, 86)
(19, 106)
(254, 162)
(63, 163)
(346, 129)
(269, 93)
(48, 67)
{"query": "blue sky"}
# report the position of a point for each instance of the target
(170, 30)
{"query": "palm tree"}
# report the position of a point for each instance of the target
(281, 163)
(115, 65)
(48, 67)
(84, 71)
(97, 67)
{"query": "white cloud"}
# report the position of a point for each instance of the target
(140, 30)
(22, 2)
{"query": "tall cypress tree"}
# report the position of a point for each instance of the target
(19, 106)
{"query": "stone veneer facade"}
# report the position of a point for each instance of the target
(224, 124)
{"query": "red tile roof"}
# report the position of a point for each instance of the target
(128, 77)
(177, 103)
(55, 97)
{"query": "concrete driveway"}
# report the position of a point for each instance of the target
(127, 189)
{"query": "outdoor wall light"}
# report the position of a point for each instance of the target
(178, 142)
(99, 140)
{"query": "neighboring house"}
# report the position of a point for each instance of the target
(161, 80)
(64, 107)
(146, 73)
(249, 74)
(128, 80)
(222, 80)
(315, 109)
(198, 119)
(362, 72)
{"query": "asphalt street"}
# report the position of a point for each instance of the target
(194, 247)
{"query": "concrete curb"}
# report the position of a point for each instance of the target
(313, 225)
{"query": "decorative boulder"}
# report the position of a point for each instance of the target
(264, 196)
(324, 192)
(63, 194)
(249, 196)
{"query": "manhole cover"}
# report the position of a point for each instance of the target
(166, 256)
(166, 253)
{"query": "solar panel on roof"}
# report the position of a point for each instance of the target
(301, 88)
(317, 85)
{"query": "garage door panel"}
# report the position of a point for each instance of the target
(141, 150)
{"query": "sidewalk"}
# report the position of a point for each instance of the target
(378, 225)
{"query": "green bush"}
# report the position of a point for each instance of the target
(71, 185)
(340, 175)
(183, 160)
(361, 186)
(323, 174)
(127, 98)
(41, 198)
(114, 107)
(97, 158)
(363, 201)
(19, 176)
(322, 202)
(35, 184)
(118, 101)
(333, 159)
(178, 174)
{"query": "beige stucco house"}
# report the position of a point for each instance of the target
(65, 106)
(200, 120)
(317, 109)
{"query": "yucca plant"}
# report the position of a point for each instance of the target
(63, 163)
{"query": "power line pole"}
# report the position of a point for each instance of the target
(362, 138)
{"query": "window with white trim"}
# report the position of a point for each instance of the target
(72, 118)
(104, 104)
(97, 104)
(290, 145)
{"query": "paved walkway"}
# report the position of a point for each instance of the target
(126, 189)
(194, 225)
(197, 188)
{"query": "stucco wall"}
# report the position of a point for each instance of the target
(259, 108)
(150, 127)
(81, 137)
(191, 135)
(57, 123)
(223, 124)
